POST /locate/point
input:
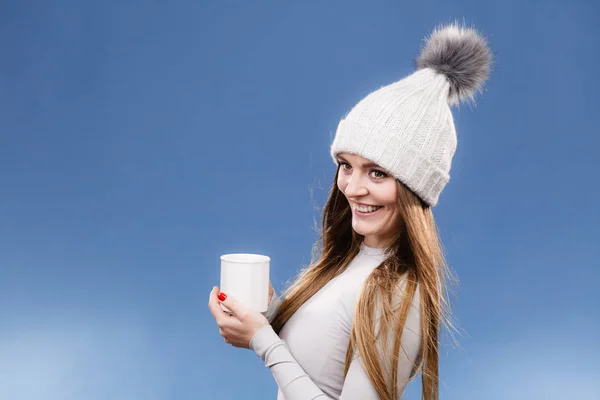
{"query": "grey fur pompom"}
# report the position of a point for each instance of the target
(462, 55)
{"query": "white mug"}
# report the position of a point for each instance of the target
(246, 277)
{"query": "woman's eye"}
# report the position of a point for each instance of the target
(344, 165)
(378, 174)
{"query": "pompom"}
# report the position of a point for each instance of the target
(462, 55)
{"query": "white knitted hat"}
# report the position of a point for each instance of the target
(407, 127)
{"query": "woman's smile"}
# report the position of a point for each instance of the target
(362, 210)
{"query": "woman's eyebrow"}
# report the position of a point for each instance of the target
(365, 165)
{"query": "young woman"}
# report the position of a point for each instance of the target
(365, 317)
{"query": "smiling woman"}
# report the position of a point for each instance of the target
(373, 196)
(365, 317)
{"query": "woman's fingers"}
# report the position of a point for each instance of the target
(218, 313)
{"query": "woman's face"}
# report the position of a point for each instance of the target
(372, 194)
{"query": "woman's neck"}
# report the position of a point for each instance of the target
(375, 242)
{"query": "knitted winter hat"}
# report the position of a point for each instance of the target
(407, 127)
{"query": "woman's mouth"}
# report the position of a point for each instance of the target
(365, 210)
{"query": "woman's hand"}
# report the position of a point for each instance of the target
(238, 329)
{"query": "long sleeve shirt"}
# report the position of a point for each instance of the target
(307, 357)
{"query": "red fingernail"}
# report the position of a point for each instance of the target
(222, 296)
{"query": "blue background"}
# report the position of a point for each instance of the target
(139, 141)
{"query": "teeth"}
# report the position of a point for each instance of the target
(365, 209)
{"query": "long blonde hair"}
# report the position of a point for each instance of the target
(415, 257)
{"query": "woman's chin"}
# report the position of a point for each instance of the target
(363, 230)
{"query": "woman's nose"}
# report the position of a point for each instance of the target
(355, 187)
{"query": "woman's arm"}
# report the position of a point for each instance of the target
(293, 382)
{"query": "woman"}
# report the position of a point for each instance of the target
(365, 318)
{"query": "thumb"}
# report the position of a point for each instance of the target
(231, 303)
